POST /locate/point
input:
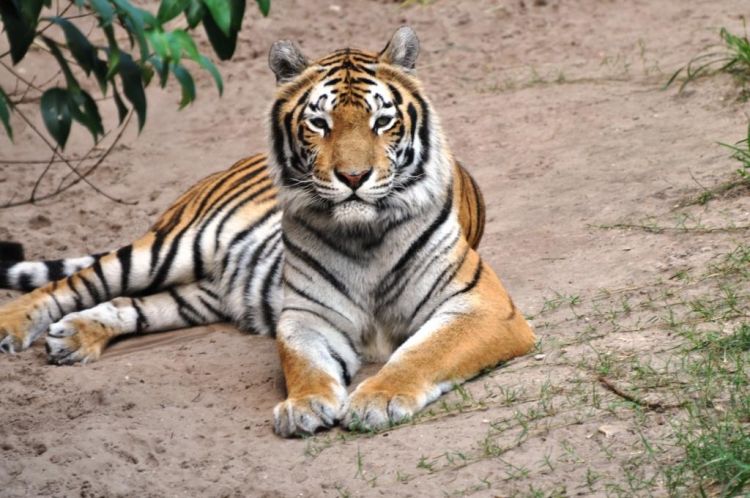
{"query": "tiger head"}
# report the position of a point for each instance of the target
(352, 136)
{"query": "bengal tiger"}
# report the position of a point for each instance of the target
(353, 240)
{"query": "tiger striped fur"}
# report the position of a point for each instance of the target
(354, 240)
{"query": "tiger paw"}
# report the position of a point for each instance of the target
(74, 339)
(305, 415)
(18, 328)
(375, 409)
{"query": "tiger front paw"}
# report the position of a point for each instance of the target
(74, 339)
(18, 328)
(304, 415)
(372, 408)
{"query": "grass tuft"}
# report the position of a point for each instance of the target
(733, 58)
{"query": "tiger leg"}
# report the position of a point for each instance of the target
(136, 268)
(318, 363)
(469, 332)
(81, 336)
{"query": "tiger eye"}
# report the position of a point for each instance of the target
(382, 121)
(319, 123)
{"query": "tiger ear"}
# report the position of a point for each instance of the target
(402, 50)
(286, 60)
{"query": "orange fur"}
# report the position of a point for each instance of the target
(492, 332)
(302, 378)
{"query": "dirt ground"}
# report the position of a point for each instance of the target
(557, 108)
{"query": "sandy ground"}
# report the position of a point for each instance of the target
(557, 109)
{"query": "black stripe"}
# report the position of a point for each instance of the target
(141, 321)
(105, 285)
(326, 320)
(164, 268)
(289, 264)
(315, 265)
(480, 209)
(344, 369)
(420, 242)
(124, 256)
(55, 269)
(91, 288)
(24, 282)
(183, 306)
(277, 137)
(11, 251)
(424, 138)
(219, 314)
(307, 296)
(394, 291)
(396, 94)
(430, 293)
(4, 277)
(252, 264)
(330, 242)
(57, 303)
(208, 292)
(455, 271)
(474, 280)
(230, 196)
(239, 237)
(271, 276)
(77, 298)
(155, 249)
(227, 216)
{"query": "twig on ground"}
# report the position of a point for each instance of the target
(656, 406)
(80, 177)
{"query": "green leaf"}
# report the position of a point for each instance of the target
(224, 45)
(132, 85)
(5, 106)
(159, 42)
(264, 6)
(113, 53)
(187, 84)
(55, 50)
(56, 114)
(180, 39)
(85, 111)
(83, 51)
(209, 66)
(135, 22)
(104, 10)
(147, 74)
(113, 63)
(162, 69)
(194, 13)
(169, 9)
(221, 12)
(19, 21)
(122, 110)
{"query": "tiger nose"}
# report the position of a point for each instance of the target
(354, 178)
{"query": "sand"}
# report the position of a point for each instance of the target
(556, 107)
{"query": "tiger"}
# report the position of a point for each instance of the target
(353, 240)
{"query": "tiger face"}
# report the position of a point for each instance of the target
(352, 135)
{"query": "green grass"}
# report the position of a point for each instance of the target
(715, 434)
(733, 58)
(741, 152)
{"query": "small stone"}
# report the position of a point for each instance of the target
(610, 430)
(539, 357)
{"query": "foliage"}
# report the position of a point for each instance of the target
(741, 152)
(153, 49)
(733, 58)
